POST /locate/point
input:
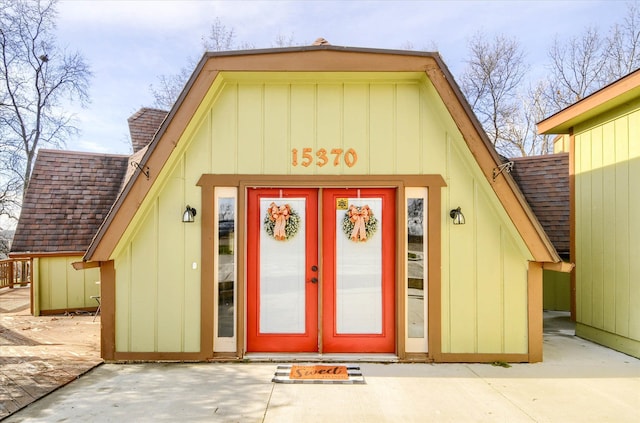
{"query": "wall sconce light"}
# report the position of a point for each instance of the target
(189, 214)
(457, 216)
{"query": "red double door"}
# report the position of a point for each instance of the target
(330, 293)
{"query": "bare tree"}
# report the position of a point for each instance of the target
(523, 135)
(6, 236)
(219, 38)
(622, 52)
(538, 108)
(588, 61)
(169, 87)
(35, 78)
(495, 69)
(284, 41)
(577, 68)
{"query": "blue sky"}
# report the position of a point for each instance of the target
(128, 44)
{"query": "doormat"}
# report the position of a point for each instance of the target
(323, 374)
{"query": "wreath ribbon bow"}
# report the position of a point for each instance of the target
(359, 218)
(279, 215)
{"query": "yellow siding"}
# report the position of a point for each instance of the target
(607, 181)
(561, 144)
(224, 126)
(434, 120)
(396, 126)
(490, 278)
(408, 134)
(250, 126)
(61, 287)
(463, 265)
(143, 287)
(330, 123)
(485, 282)
(276, 128)
(170, 301)
(356, 123)
(556, 291)
(157, 291)
(633, 318)
(194, 160)
(607, 291)
(620, 235)
(515, 298)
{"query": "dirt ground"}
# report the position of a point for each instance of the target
(40, 354)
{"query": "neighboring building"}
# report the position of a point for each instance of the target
(603, 131)
(68, 197)
(305, 200)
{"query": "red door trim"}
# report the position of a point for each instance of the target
(256, 341)
(331, 340)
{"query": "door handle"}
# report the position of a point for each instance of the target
(314, 280)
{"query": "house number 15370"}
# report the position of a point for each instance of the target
(350, 157)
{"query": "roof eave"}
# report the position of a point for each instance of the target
(609, 97)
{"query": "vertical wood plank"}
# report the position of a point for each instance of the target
(409, 149)
(534, 293)
(356, 128)
(276, 129)
(303, 123)
(330, 127)
(609, 195)
(634, 224)
(224, 132)
(143, 286)
(596, 294)
(382, 130)
(621, 257)
(250, 128)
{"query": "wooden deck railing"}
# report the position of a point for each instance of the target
(15, 272)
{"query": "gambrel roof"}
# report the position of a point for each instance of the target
(320, 58)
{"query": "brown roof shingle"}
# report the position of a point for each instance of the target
(69, 195)
(544, 181)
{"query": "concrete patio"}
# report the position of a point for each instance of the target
(578, 382)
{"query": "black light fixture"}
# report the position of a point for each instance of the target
(457, 216)
(189, 214)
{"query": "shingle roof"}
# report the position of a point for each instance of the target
(68, 197)
(143, 125)
(544, 181)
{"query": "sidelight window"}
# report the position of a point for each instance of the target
(225, 291)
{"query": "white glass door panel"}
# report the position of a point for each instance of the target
(282, 272)
(359, 271)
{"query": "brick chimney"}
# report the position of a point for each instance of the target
(144, 125)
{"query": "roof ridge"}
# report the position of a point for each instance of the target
(77, 153)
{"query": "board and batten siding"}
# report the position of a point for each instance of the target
(249, 124)
(61, 287)
(607, 234)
